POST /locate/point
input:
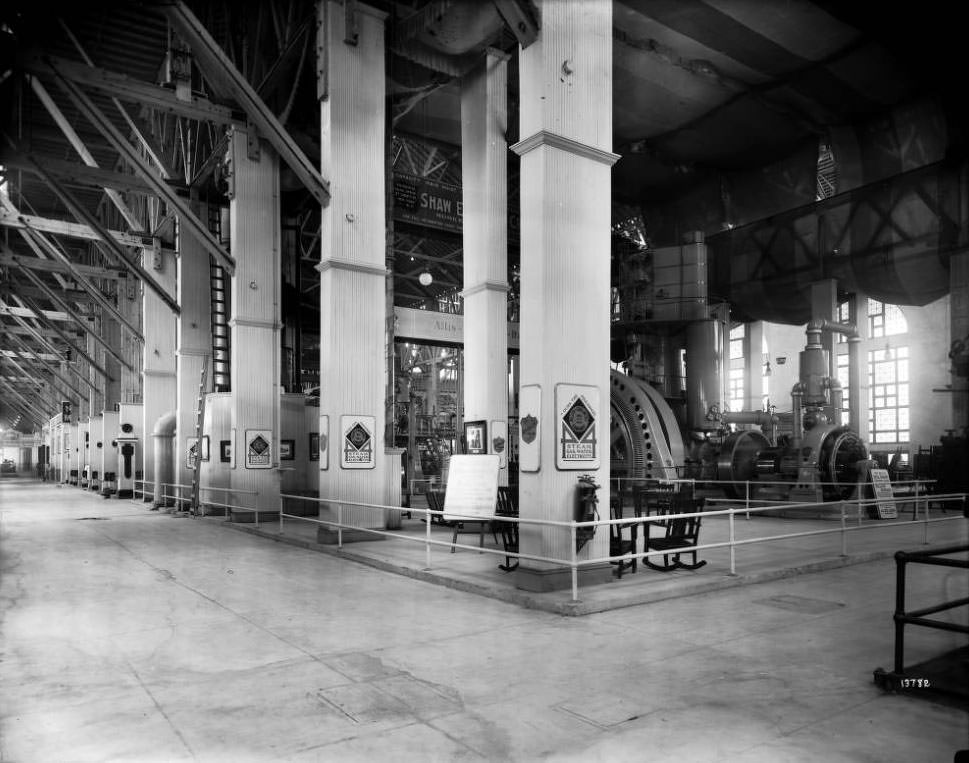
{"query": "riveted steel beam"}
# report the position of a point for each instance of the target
(53, 371)
(56, 299)
(40, 412)
(104, 237)
(129, 153)
(219, 69)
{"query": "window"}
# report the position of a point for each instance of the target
(736, 389)
(885, 320)
(844, 376)
(888, 395)
(737, 341)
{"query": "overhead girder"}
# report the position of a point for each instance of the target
(41, 412)
(187, 218)
(56, 266)
(67, 340)
(55, 381)
(74, 173)
(104, 236)
(220, 71)
(55, 298)
(53, 371)
(11, 218)
(39, 238)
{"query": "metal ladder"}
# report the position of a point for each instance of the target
(195, 507)
(219, 311)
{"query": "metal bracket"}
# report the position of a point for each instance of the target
(351, 35)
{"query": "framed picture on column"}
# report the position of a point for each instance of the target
(476, 437)
(530, 431)
(324, 442)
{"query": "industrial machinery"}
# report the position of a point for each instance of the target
(818, 460)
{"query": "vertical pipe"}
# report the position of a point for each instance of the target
(733, 550)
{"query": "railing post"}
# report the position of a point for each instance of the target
(747, 497)
(899, 613)
(733, 549)
(575, 566)
(256, 515)
(339, 526)
(844, 531)
(925, 525)
(427, 539)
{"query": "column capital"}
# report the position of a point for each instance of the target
(547, 138)
(358, 267)
(485, 286)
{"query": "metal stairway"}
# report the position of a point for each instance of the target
(195, 507)
(219, 311)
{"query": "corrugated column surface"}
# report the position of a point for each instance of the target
(484, 170)
(352, 267)
(194, 338)
(566, 128)
(159, 355)
(255, 323)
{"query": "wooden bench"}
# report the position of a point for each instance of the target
(672, 532)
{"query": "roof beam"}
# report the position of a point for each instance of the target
(75, 140)
(52, 315)
(39, 412)
(10, 218)
(10, 259)
(74, 173)
(104, 236)
(41, 318)
(137, 126)
(126, 88)
(55, 298)
(54, 372)
(128, 152)
(218, 68)
(33, 379)
(39, 238)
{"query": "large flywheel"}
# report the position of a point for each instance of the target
(645, 439)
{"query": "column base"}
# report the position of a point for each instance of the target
(328, 537)
(560, 578)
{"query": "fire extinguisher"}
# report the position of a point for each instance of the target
(585, 509)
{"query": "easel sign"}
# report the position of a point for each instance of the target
(472, 487)
(884, 495)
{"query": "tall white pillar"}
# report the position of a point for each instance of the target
(194, 342)
(159, 358)
(484, 163)
(255, 324)
(566, 128)
(352, 269)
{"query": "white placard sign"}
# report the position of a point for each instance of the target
(324, 442)
(472, 486)
(358, 442)
(884, 495)
(499, 442)
(259, 449)
(576, 426)
(530, 428)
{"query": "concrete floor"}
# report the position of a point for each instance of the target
(140, 636)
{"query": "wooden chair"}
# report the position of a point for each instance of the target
(673, 532)
(618, 542)
(508, 507)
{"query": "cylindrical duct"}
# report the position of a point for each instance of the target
(704, 371)
(164, 436)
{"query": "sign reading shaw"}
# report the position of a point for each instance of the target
(428, 202)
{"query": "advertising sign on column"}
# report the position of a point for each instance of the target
(499, 442)
(529, 423)
(357, 447)
(259, 448)
(577, 425)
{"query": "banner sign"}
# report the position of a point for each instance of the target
(432, 327)
(428, 202)
(577, 426)
(259, 448)
(357, 444)
(529, 424)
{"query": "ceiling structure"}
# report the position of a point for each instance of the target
(114, 120)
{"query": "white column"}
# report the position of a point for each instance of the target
(255, 324)
(959, 330)
(194, 341)
(159, 358)
(352, 267)
(485, 197)
(566, 128)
